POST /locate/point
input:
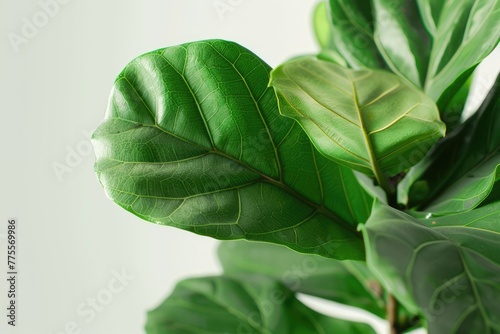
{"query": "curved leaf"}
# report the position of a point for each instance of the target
(368, 120)
(346, 282)
(430, 12)
(448, 267)
(193, 139)
(352, 33)
(324, 37)
(463, 169)
(402, 39)
(322, 28)
(464, 33)
(253, 306)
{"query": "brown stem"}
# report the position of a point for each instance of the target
(392, 315)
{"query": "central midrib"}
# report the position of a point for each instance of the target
(368, 144)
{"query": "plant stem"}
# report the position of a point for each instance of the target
(392, 315)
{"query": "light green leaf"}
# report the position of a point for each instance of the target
(402, 39)
(368, 120)
(193, 139)
(463, 169)
(464, 33)
(322, 28)
(253, 306)
(447, 267)
(352, 33)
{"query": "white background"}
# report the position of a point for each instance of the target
(54, 90)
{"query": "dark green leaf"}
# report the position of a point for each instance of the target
(447, 267)
(368, 120)
(402, 39)
(454, 100)
(345, 282)
(352, 33)
(254, 306)
(193, 139)
(464, 33)
(463, 169)
(430, 12)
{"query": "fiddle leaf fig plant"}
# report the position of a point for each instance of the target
(351, 174)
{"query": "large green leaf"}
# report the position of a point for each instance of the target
(253, 306)
(346, 282)
(447, 267)
(369, 120)
(193, 139)
(402, 39)
(464, 32)
(352, 33)
(463, 169)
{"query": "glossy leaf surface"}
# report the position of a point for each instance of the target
(463, 169)
(254, 306)
(193, 139)
(447, 267)
(368, 120)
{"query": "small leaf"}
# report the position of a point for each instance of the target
(463, 169)
(254, 306)
(368, 120)
(193, 139)
(448, 267)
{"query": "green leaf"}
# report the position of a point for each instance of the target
(323, 33)
(464, 33)
(447, 267)
(463, 169)
(368, 120)
(193, 139)
(452, 110)
(345, 282)
(322, 28)
(253, 306)
(352, 33)
(402, 39)
(430, 12)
